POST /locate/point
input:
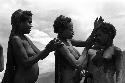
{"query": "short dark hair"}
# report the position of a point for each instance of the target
(108, 29)
(20, 16)
(61, 23)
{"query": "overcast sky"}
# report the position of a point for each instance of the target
(82, 12)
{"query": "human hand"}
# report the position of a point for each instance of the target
(98, 22)
(92, 52)
(53, 45)
(84, 52)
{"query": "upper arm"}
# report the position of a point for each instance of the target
(78, 43)
(65, 52)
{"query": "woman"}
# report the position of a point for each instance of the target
(105, 59)
(22, 55)
(67, 59)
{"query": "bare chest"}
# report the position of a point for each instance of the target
(28, 47)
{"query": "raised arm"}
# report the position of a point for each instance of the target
(88, 43)
(22, 56)
(78, 43)
(119, 65)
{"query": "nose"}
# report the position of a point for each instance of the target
(31, 26)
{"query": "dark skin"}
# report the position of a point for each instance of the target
(90, 41)
(103, 40)
(69, 54)
(27, 54)
(1, 59)
(67, 38)
(73, 57)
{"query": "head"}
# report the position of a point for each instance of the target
(63, 26)
(105, 34)
(21, 21)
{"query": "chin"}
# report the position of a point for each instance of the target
(27, 32)
(70, 38)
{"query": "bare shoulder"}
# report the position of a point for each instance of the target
(117, 48)
(16, 39)
(118, 51)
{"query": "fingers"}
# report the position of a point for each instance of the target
(54, 44)
(96, 20)
(101, 19)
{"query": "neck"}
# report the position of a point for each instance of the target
(61, 38)
(20, 34)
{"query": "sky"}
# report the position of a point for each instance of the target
(82, 12)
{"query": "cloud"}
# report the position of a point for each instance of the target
(114, 12)
(82, 12)
(40, 39)
(37, 35)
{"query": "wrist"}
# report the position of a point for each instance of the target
(47, 50)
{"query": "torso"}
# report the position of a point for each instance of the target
(65, 71)
(105, 72)
(27, 75)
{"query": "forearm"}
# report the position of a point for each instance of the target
(44, 53)
(36, 57)
(78, 43)
(90, 41)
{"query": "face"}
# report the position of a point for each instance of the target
(25, 27)
(68, 33)
(101, 37)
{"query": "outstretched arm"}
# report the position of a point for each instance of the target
(91, 39)
(22, 56)
(88, 43)
(78, 43)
